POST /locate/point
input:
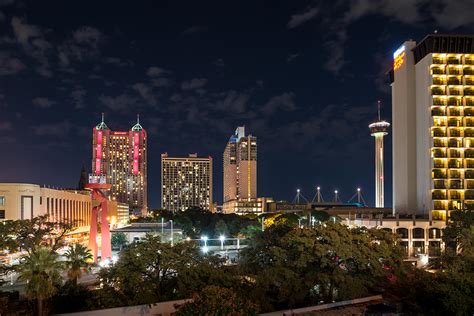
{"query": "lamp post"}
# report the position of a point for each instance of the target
(204, 249)
(162, 226)
(222, 238)
(172, 237)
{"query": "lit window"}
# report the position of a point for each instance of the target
(2, 200)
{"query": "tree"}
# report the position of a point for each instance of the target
(221, 229)
(78, 260)
(119, 240)
(41, 269)
(216, 300)
(294, 267)
(30, 234)
(169, 272)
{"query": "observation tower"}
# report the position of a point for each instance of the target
(379, 129)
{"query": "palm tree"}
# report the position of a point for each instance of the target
(41, 270)
(78, 260)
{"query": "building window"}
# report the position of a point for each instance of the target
(2, 200)
(2, 214)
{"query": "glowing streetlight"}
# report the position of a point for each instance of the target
(222, 238)
(204, 238)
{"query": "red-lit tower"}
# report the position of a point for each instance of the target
(120, 158)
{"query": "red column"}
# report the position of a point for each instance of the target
(105, 232)
(93, 233)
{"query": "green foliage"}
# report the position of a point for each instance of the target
(294, 267)
(78, 259)
(41, 270)
(169, 272)
(30, 234)
(118, 240)
(221, 229)
(218, 301)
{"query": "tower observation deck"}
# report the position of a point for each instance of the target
(379, 129)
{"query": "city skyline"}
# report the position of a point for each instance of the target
(281, 74)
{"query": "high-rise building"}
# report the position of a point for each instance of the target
(186, 182)
(240, 167)
(378, 130)
(433, 125)
(120, 159)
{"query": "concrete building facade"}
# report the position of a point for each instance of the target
(433, 125)
(186, 182)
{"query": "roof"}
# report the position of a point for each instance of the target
(439, 43)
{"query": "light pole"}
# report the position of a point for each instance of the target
(299, 222)
(162, 226)
(204, 249)
(222, 238)
(172, 237)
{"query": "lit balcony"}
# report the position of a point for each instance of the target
(439, 100)
(454, 111)
(454, 132)
(439, 80)
(438, 195)
(469, 174)
(439, 174)
(469, 122)
(438, 70)
(455, 153)
(455, 184)
(456, 122)
(437, 111)
(439, 163)
(454, 174)
(438, 132)
(469, 194)
(469, 81)
(439, 122)
(469, 91)
(468, 132)
(455, 90)
(454, 60)
(469, 101)
(455, 71)
(455, 143)
(439, 60)
(468, 112)
(469, 163)
(453, 101)
(440, 205)
(468, 60)
(469, 153)
(439, 153)
(454, 163)
(437, 90)
(440, 184)
(454, 80)
(469, 71)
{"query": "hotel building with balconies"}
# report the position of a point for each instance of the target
(433, 125)
(186, 182)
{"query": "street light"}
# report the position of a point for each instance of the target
(172, 237)
(204, 238)
(222, 238)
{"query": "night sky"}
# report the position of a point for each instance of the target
(303, 76)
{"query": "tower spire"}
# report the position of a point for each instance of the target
(102, 125)
(378, 108)
(138, 118)
(103, 117)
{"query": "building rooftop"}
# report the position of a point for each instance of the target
(443, 43)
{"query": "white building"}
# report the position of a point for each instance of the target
(433, 125)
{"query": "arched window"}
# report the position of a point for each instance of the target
(403, 232)
(418, 233)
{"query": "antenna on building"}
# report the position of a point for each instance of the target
(318, 197)
(138, 118)
(103, 116)
(378, 108)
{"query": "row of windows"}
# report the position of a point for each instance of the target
(68, 211)
(417, 232)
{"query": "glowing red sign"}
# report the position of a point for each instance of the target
(135, 153)
(98, 153)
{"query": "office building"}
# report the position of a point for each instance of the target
(120, 158)
(433, 125)
(186, 182)
(240, 167)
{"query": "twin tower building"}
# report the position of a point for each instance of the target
(120, 159)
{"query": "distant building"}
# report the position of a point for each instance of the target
(82, 179)
(186, 182)
(433, 125)
(240, 168)
(247, 206)
(120, 158)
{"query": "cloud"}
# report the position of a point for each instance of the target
(42, 102)
(194, 84)
(23, 31)
(5, 126)
(155, 71)
(284, 102)
(452, 14)
(161, 82)
(219, 62)
(301, 18)
(118, 62)
(234, 102)
(10, 65)
(291, 57)
(77, 96)
(119, 103)
(146, 93)
(87, 35)
(56, 130)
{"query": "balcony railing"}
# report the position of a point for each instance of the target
(469, 61)
(439, 153)
(454, 102)
(454, 81)
(455, 71)
(468, 71)
(456, 184)
(437, 71)
(438, 174)
(469, 153)
(437, 195)
(454, 132)
(454, 112)
(439, 184)
(469, 91)
(454, 61)
(468, 132)
(438, 91)
(453, 153)
(469, 122)
(468, 112)
(454, 163)
(438, 60)
(455, 122)
(455, 91)
(468, 81)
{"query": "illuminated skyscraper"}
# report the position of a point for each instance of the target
(121, 159)
(186, 182)
(379, 129)
(433, 125)
(240, 167)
